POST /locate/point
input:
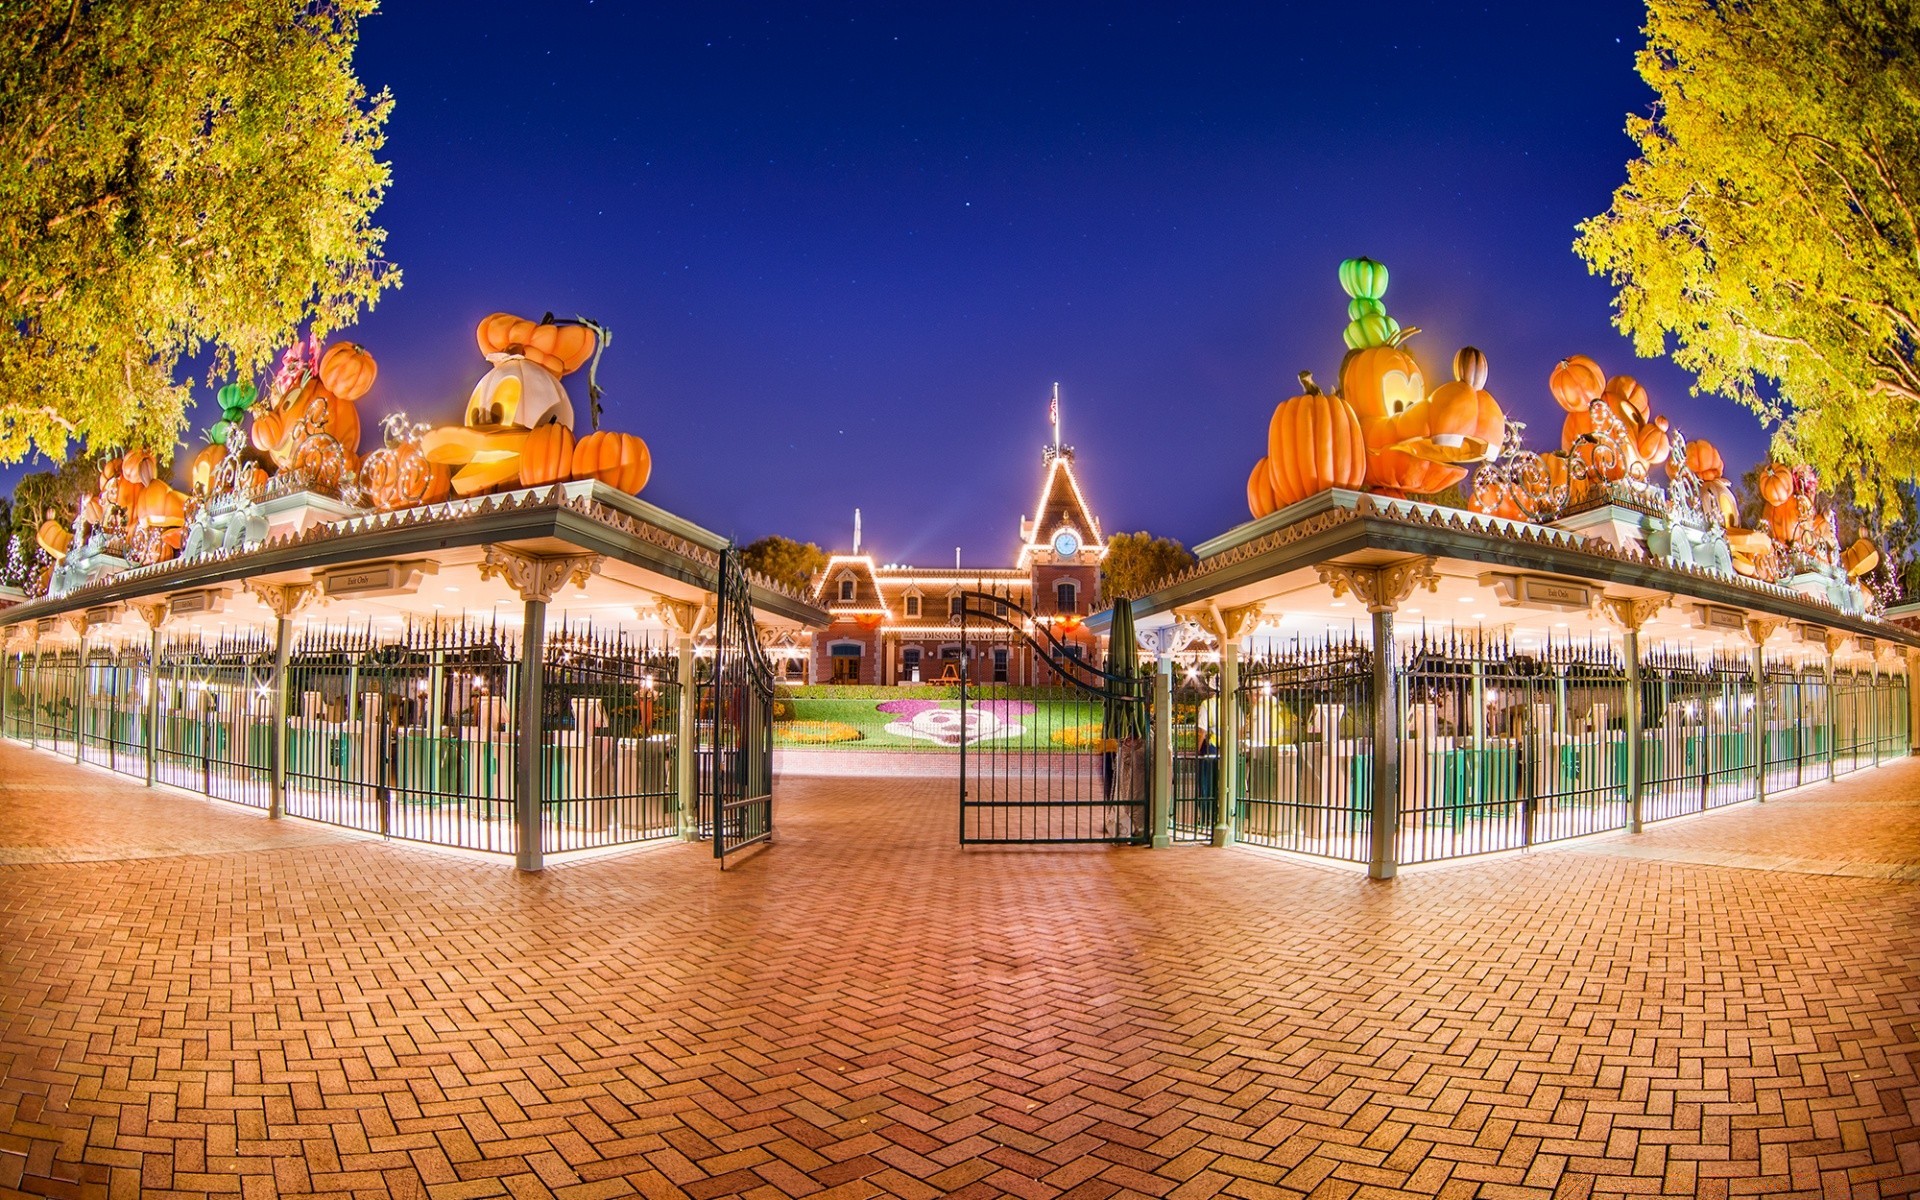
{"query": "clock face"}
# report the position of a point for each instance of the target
(1066, 543)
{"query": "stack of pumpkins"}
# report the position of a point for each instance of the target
(1609, 422)
(518, 430)
(1383, 431)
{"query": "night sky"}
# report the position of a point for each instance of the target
(847, 251)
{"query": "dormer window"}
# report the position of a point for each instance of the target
(846, 589)
(913, 606)
(953, 606)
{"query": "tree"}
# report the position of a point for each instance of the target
(1136, 562)
(785, 561)
(176, 177)
(1772, 221)
(58, 491)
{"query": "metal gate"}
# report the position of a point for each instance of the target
(737, 776)
(1071, 762)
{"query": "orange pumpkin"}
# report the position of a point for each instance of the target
(139, 467)
(1704, 460)
(204, 465)
(1627, 398)
(269, 429)
(1260, 490)
(1463, 414)
(1314, 442)
(347, 370)
(1721, 500)
(547, 455)
(1576, 381)
(323, 412)
(1782, 519)
(621, 460)
(1651, 442)
(1776, 483)
(122, 492)
(160, 506)
(1381, 383)
(559, 348)
(1576, 426)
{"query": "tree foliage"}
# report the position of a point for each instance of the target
(56, 492)
(785, 561)
(1137, 561)
(176, 177)
(1771, 224)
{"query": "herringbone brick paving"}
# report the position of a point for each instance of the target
(249, 1008)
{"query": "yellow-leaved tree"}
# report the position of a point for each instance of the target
(1771, 225)
(176, 177)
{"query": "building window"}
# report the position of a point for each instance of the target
(846, 589)
(913, 606)
(1065, 595)
(795, 668)
(953, 606)
(846, 663)
(910, 663)
(999, 664)
(999, 608)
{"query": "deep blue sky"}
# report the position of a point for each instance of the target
(846, 251)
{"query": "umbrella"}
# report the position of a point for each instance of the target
(1125, 717)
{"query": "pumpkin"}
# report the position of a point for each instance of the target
(518, 391)
(1576, 426)
(347, 370)
(1363, 278)
(139, 466)
(547, 455)
(1463, 416)
(1576, 381)
(559, 348)
(1260, 490)
(122, 492)
(480, 474)
(398, 475)
(621, 460)
(1860, 558)
(160, 506)
(1776, 483)
(204, 465)
(56, 539)
(1628, 399)
(1783, 519)
(1704, 460)
(1381, 383)
(323, 412)
(1314, 442)
(1652, 442)
(92, 512)
(269, 429)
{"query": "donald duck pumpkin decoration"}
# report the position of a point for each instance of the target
(519, 421)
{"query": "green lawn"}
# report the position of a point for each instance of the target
(859, 724)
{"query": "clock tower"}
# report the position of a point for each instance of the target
(1062, 546)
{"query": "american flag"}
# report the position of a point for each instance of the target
(1053, 410)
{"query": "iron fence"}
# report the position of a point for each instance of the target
(611, 720)
(1505, 748)
(1854, 723)
(16, 702)
(52, 698)
(1794, 705)
(1306, 769)
(113, 725)
(406, 733)
(214, 732)
(1702, 745)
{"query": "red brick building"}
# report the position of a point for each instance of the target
(895, 624)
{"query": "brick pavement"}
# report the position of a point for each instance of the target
(251, 1009)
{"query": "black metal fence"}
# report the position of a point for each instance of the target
(1702, 749)
(611, 731)
(1196, 750)
(1306, 769)
(48, 706)
(739, 767)
(215, 730)
(116, 682)
(1794, 704)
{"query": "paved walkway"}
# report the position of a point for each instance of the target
(194, 999)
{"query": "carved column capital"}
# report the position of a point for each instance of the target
(1837, 641)
(1170, 639)
(1381, 589)
(1759, 629)
(1231, 625)
(75, 621)
(152, 614)
(282, 599)
(1632, 612)
(684, 618)
(538, 577)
